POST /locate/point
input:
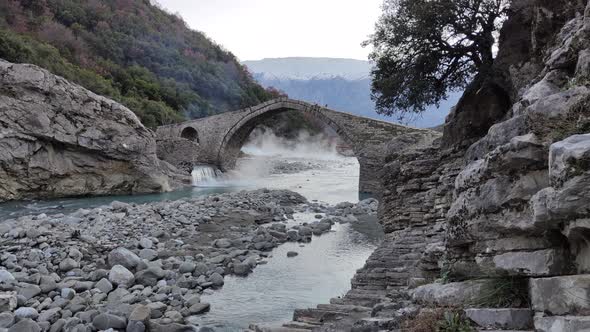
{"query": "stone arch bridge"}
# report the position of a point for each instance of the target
(217, 140)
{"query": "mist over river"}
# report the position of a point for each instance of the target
(321, 270)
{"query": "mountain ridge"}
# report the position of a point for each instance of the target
(310, 67)
(333, 82)
(131, 51)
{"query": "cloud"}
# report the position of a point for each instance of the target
(256, 29)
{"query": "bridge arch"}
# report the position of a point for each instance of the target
(190, 133)
(238, 134)
(221, 136)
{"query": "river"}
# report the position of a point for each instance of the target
(269, 295)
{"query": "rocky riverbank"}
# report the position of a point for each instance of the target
(138, 267)
(488, 224)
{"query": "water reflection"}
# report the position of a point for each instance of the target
(269, 295)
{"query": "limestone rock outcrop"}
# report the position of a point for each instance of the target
(501, 200)
(59, 139)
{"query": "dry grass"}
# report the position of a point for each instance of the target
(438, 320)
(426, 321)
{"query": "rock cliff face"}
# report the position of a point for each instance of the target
(492, 220)
(524, 39)
(58, 139)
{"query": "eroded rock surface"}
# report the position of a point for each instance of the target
(59, 139)
(501, 199)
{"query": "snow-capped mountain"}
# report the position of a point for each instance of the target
(299, 68)
(342, 84)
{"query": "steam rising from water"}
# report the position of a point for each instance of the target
(267, 157)
(264, 142)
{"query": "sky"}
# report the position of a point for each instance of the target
(257, 29)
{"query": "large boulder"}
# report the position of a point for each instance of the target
(58, 139)
(125, 257)
(564, 295)
(450, 294)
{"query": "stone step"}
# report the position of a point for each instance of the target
(562, 324)
(330, 312)
(572, 292)
(315, 316)
(345, 308)
(300, 325)
(501, 318)
(366, 298)
(505, 331)
(259, 328)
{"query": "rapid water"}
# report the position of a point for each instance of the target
(269, 295)
(204, 174)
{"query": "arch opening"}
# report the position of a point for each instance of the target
(231, 147)
(190, 134)
(254, 151)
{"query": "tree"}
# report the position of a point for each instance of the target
(422, 49)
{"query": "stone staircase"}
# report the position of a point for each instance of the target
(504, 319)
(387, 270)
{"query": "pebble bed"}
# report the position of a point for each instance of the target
(143, 267)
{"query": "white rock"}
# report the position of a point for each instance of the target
(145, 243)
(119, 275)
(6, 276)
(26, 312)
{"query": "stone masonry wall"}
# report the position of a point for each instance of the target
(180, 152)
(222, 136)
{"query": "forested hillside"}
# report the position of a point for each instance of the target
(131, 51)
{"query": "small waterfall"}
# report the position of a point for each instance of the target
(204, 175)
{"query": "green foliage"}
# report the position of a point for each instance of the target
(425, 48)
(445, 276)
(18, 48)
(454, 322)
(504, 292)
(131, 51)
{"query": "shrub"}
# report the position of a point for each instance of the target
(504, 292)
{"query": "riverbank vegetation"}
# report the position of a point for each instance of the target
(131, 51)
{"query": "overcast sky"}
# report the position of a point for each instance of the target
(256, 29)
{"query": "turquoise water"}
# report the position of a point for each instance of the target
(269, 295)
(336, 181)
(65, 205)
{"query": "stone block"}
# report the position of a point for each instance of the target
(502, 318)
(545, 262)
(562, 324)
(569, 171)
(578, 234)
(451, 294)
(569, 157)
(565, 295)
